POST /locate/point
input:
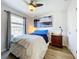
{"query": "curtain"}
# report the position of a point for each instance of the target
(8, 30)
(8, 40)
(24, 25)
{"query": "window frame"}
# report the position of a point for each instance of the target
(24, 22)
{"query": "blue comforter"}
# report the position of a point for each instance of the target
(42, 33)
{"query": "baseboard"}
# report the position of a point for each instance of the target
(71, 53)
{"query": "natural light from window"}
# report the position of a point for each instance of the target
(17, 25)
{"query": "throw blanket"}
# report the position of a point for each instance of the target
(29, 47)
(43, 33)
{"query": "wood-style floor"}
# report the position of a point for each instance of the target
(58, 53)
(52, 53)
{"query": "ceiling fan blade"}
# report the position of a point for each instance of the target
(32, 2)
(38, 5)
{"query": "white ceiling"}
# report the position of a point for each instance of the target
(49, 6)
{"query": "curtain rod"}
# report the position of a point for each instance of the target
(13, 13)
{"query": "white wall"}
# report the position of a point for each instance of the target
(4, 24)
(30, 25)
(72, 27)
(59, 19)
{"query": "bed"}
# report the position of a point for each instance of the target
(33, 46)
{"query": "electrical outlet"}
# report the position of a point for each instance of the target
(76, 9)
(76, 51)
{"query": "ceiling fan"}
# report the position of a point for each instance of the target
(33, 4)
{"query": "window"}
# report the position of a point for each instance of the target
(17, 25)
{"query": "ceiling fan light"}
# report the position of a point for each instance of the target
(31, 7)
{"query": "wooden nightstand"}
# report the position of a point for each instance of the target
(56, 40)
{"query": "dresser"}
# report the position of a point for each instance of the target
(56, 40)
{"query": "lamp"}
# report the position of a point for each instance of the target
(31, 7)
(61, 29)
(31, 29)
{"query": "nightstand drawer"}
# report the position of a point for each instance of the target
(56, 40)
